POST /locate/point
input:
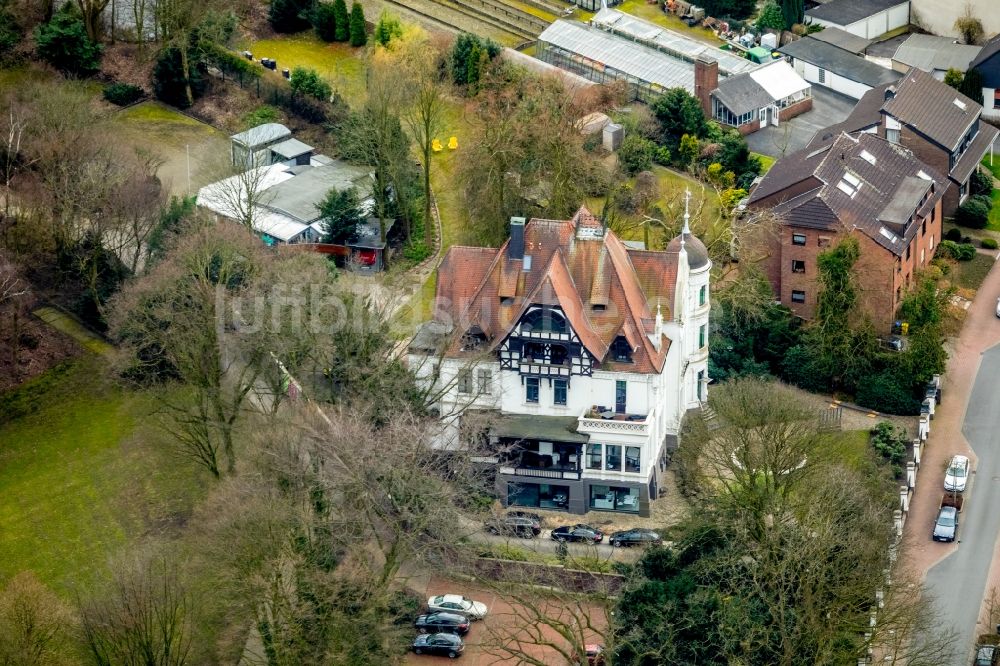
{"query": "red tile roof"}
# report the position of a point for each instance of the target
(483, 288)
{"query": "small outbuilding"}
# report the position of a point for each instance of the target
(251, 148)
(864, 18)
(824, 64)
(933, 54)
(756, 99)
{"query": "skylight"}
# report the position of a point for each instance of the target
(850, 185)
(923, 174)
(868, 157)
(960, 104)
(888, 234)
(852, 179)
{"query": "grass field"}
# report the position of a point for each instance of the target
(81, 477)
(766, 161)
(970, 274)
(341, 65)
(179, 140)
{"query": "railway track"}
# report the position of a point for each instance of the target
(523, 23)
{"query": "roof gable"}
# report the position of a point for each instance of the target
(933, 108)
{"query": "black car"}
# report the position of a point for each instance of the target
(986, 655)
(442, 623)
(513, 526)
(636, 537)
(584, 533)
(445, 644)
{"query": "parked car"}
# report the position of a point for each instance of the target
(584, 533)
(518, 513)
(998, 307)
(986, 655)
(946, 524)
(442, 623)
(445, 644)
(513, 526)
(957, 474)
(456, 603)
(636, 537)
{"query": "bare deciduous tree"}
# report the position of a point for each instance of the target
(143, 617)
(34, 623)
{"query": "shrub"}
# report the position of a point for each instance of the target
(416, 252)
(636, 154)
(359, 32)
(662, 156)
(261, 115)
(957, 251)
(973, 214)
(324, 21)
(770, 17)
(307, 82)
(387, 29)
(980, 183)
(288, 15)
(688, 150)
(889, 441)
(123, 94)
(10, 34)
(889, 393)
(988, 243)
(343, 21)
(63, 43)
(953, 234)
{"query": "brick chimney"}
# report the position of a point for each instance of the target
(706, 79)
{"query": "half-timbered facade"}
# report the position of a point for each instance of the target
(573, 355)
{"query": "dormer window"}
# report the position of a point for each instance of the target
(621, 350)
(543, 320)
(473, 339)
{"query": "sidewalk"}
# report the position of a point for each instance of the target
(980, 332)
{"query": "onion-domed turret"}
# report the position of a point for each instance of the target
(697, 253)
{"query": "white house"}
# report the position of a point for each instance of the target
(864, 18)
(251, 148)
(574, 355)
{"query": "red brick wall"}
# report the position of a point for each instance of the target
(793, 110)
(934, 156)
(706, 79)
(750, 127)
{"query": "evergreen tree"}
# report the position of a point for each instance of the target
(359, 33)
(953, 77)
(341, 215)
(63, 43)
(170, 81)
(289, 15)
(678, 112)
(343, 21)
(793, 11)
(387, 29)
(324, 20)
(972, 86)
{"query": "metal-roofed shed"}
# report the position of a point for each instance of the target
(291, 149)
(826, 65)
(842, 40)
(299, 197)
(933, 54)
(865, 18)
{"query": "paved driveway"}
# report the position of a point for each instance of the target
(829, 108)
(957, 574)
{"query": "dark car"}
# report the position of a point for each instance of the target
(583, 533)
(986, 655)
(636, 537)
(518, 513)
(513, 526)
(442, 623)
(946, 524)
(445, 644)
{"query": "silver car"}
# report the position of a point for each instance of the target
(957, 475)
(456, 603)
(946, 525)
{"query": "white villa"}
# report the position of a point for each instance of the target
(580, 352)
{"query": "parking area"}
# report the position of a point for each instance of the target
(510, 632)
(829, 108)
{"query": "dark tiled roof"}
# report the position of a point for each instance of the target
(787, 171)
(974, 153)
(860, 176)
(842, 39)
(741, 94)
(866, 113)
(991, 70)
(933, 108)
(846, 12)
(840, 62)
(571, 270)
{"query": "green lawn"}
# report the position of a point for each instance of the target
(994, 221)
(995, 167)
(766, 161)
(341, 65)
(83, 475)
(851, 447)
(970, 274)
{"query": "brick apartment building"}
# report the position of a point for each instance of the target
(940, 126)
(769, 95)
(860, 185)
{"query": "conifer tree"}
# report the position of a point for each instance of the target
(359, 34)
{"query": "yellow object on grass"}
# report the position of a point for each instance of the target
(436, 146)
(453, 143)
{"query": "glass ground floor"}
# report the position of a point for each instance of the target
(577, 497)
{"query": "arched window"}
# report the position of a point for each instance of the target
(544, 320)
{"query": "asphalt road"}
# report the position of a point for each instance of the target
(958, 582)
